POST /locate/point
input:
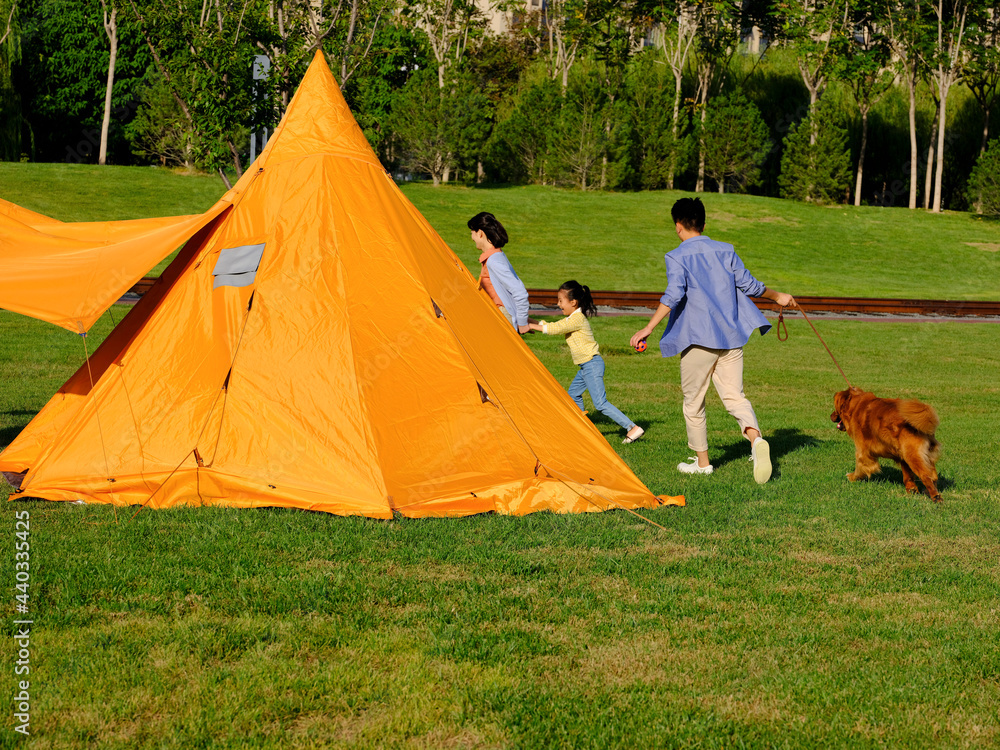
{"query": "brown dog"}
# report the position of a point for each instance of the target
(900, 429)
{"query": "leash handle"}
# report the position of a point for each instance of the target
(781, 321)
(782, 325)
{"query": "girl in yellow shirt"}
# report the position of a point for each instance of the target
(577, 305)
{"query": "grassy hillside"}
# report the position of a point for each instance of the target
(609, 241)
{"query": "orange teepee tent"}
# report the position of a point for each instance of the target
(315, 344)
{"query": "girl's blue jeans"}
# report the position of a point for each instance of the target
(590, 377)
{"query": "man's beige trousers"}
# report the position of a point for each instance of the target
(724, 368)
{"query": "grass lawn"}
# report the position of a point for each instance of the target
(608, 240)
(808, 612)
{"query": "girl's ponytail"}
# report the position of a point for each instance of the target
(581, 295)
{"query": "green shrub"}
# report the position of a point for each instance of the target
(736, 142)
(984, 183)
(818, 171)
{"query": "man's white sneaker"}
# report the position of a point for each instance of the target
(760, 454)
(693, 467)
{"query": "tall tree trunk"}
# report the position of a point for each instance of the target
(939, 171)
(913, 135)
(861, 158)
(674, 125)
(813, 98)
(986, 130)
(111, 29)
(700, 184)
(929, 170)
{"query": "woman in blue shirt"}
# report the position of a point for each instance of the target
(711, 318)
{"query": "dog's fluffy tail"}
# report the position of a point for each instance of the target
(918, 414)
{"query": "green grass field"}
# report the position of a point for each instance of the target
(807, 612)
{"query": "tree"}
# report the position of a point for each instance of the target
(982, 69)
(864, 67)
(945, 63)
(568, 25)
(736, 142)
(8, 13)
(111, 29)
(614, 40)
(204, 56)
(10, 54)
(160, 131)
(908, 33)
(984, 182)
(448, 25)
(62, 82)
(439, 130)
(816, 164)
(521, 143)
(290, 31)
(719, 27)
(815, 28)
(675, 36)
(651, 143)
(396, 52)
(580, 139)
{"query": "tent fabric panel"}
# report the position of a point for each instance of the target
(295, 371)
(71, 281)
(546, 416)
(191, 486)
(431, 426)
(41, 433)
(23, 215)
(288, 419)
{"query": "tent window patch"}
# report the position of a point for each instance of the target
(237, 266)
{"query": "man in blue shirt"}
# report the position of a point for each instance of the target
(711, 319)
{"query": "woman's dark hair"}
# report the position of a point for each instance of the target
(494, 230)
(581, 295)
(689, 213)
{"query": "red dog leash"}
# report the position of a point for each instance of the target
(784, 326)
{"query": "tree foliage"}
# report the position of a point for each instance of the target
(607, 94)
(736, 142)
(816, 165)
(983, 189)
(440, 129)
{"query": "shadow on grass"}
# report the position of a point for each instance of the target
(892, 474)
(601, 422)
(7, 434)
(782, 442)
